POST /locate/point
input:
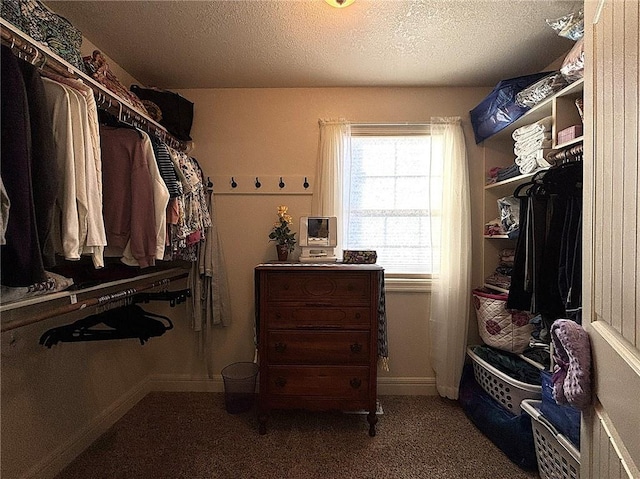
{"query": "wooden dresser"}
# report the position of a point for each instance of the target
(317, 337)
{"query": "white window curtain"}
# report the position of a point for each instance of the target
(333, 149)
(448, 322)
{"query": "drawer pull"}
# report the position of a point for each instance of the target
(278, 315)
(281, 347)
(358, 315)
(350, 287)
(355, 383)
(356, 347)
(281, 382)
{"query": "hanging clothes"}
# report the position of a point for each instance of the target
(129, 211)
(192, 216)
(160, 202)
(87, 129)
(67, 232)
(546, 276)
(43, 177)
(22, 263)
(165, 165)
(210, 302)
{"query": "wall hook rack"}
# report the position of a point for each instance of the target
(263, 184)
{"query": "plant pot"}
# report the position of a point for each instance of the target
(283, 252)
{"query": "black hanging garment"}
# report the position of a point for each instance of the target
(546, 275)
(21, 255)
(44, 173)
(172, 111)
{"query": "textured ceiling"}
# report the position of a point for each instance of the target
(307, 43)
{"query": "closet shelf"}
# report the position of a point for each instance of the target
(81, 299)
(37, 54)
(513, 181)
(569, 143)
(541, 110)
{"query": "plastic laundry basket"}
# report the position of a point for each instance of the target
(557, 457)
(239, 386)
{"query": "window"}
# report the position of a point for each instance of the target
(386, 204)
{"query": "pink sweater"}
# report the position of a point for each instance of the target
(128, 205)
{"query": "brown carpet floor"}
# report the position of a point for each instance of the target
(190, 435)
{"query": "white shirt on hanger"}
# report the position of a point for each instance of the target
(66, 226)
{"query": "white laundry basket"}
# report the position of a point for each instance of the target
(509, 392)
(557, 456)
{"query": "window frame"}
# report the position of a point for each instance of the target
(400, 282)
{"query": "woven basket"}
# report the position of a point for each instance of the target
(499, 327)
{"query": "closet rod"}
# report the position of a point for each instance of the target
(45, 59)
(70, 308)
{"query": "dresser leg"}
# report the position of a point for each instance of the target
(373, 419)
(262, 423)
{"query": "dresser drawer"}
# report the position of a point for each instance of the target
(307, 317)
(294, 347)
(346, 288)
(350, 382)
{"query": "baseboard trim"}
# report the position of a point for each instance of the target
(66, 452)
(407, 386)
(401, 386)
(185, 383)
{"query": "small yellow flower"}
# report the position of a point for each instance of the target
(281, 232)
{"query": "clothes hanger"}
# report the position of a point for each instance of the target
(123, 323)
(174, 297)
(516, 193)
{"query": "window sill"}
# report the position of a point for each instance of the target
(404, 284)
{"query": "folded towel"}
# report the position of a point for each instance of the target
(541, 125)
(533, 161)
(530, 146)
(572, 357)
(527, 164)
(534, 135)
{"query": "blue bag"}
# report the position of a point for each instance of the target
(499, 109)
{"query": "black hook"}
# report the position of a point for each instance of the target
(233, 183)
(306, 183)
(258, 184)
(281, 184)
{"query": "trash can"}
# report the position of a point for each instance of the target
(239, 386)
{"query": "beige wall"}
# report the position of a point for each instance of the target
(274, 132)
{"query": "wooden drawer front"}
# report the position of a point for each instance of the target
(336, 382)
(289, 347)
(315, 318)
(321, 289)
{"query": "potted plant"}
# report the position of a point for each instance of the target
(283, 236)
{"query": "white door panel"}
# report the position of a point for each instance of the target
(611, 280)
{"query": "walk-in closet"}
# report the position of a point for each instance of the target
(320, 239)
